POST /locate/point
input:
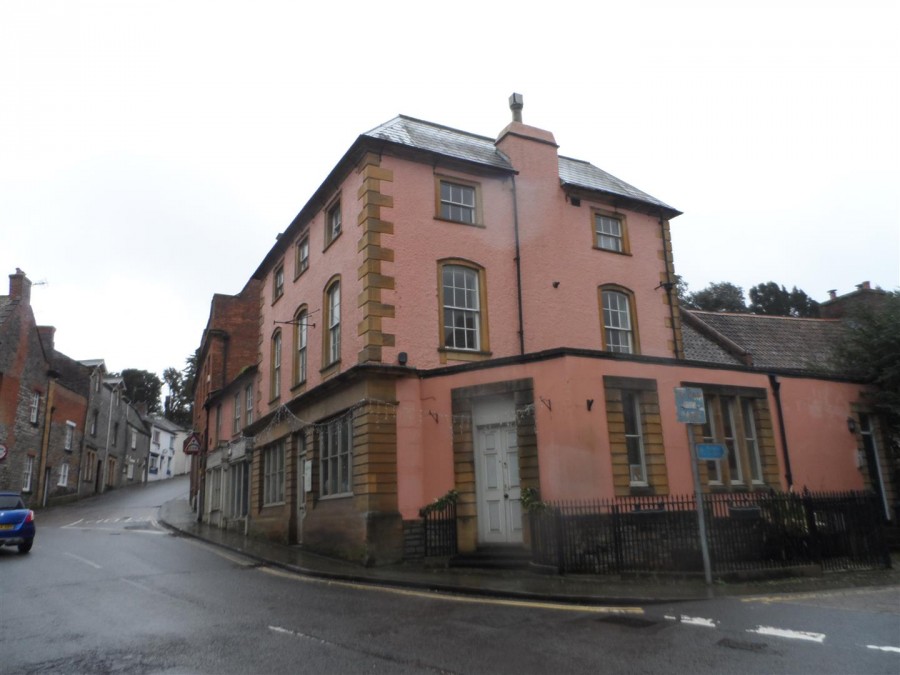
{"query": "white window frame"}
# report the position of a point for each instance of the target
(336, 457)
(248, 398)
(461, 319)
(273, 474)
(333, 222)
(129, 470)
(334, 322)
(275, 389)
(751, 441)
(713, 466)
(729, 436)
(302, 254)
(278, 282)
(236, 423)
(35, 406)
(618, 330)
(609, 233)
(63, 480)
(28, 476)
(134, 439)
(69, 438)
(458, 202)
(634, 438)
(302, 344)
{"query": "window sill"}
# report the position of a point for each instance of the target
(609, 250)
(277, 298)
(332, 240)
(642, 490)
(300, 274)
(299, 387)
(331, 369)
(448, 354)
(340, 495)
(480, 226)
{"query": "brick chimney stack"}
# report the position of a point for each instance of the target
(20, 287)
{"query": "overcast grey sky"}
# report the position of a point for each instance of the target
(151, 151)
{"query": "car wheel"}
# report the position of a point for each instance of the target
(24, 548)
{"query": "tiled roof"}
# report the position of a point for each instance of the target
(421, 135)
(584, 174)
(771, 341)
(698, 347)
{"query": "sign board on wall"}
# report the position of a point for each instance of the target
(192, 445)
(689, 405)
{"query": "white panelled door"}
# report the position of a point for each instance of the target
(497, 474)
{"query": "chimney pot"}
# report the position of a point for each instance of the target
(832, 294)
(864, 286)
(516, 103)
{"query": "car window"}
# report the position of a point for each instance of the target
(11, 502)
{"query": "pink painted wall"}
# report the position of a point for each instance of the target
(823, 451)
(573, 442)
(556, 245)
(340, 258)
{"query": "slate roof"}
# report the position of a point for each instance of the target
(6, 307)
(462, 145)
(73, 375)
(775, 342)
(163, 423)
(584, 174)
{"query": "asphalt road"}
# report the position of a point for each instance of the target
(107, 590)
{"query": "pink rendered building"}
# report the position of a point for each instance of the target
(454, 312)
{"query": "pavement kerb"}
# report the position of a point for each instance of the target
(451, 589)
(482, 587)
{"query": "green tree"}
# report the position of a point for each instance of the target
(179, 405)
(774, 300)
(142, 386)
(870, 350)
(721, 296)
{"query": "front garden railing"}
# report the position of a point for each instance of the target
(747, 531)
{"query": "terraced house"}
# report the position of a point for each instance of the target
(456, 312)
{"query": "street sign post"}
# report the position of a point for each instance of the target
(691, 410)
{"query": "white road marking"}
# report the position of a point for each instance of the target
(895, 650)
(790, 634)
(73, 524)
(692, 620)
(287, 631)
(84, 560)
(434, 595)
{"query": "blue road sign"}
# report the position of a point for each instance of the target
(710, 451)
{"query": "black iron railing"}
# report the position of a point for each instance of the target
(747, 531)
(439, 521)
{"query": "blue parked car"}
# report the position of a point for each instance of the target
(16, 522)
